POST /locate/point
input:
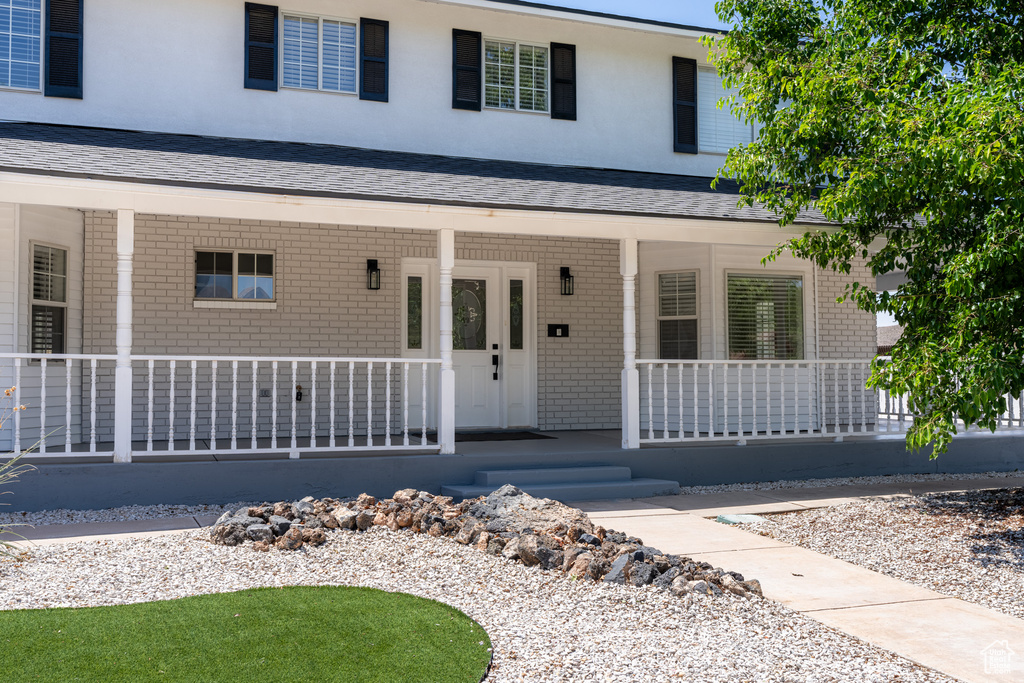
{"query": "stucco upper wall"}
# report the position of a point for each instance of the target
(178, 67)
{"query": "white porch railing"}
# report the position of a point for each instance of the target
(222, 404)
(62, 392)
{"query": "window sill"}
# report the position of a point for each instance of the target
(14, 88)
(234, 303)
(528, 112)
(296, 88)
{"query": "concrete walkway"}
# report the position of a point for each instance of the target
(961, 639)
(955, 637)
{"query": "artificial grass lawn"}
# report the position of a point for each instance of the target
(298, 633)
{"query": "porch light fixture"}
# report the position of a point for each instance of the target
(372, 274)
(567, 282)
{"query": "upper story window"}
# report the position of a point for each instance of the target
(319, 54)
(515, 76)
(234, 275)
(315, 53)
(49, 299)
(41, 51)
(500, 74)
(20, 43)
(699, 124)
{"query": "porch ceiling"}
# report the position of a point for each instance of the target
(333, 171)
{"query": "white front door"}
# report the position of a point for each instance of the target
(494, 318)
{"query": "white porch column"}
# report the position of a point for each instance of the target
(123, 372)
(446, 403)
(628, 267)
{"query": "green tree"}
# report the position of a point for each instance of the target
(901, 122)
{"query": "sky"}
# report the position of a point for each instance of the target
(690, 12)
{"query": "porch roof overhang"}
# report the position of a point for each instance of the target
(96, 168)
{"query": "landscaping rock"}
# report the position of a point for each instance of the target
(536, 532)
(261, 532)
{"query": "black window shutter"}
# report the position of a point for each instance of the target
(563, 81)
(684, 104)
(373, 72)
(63, 60)
(260, 46)
(467, 74)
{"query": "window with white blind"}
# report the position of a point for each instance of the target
(49, 299)
(677, 315)
(515, 76)
(20, 38)
(718, 129)
(765, 317)
(318, 54)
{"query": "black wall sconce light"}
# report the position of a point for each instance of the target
(372, 274)
(567, 282)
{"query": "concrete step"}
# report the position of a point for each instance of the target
(568, 491)
(551, 475)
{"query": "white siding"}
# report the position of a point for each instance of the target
(178, 67)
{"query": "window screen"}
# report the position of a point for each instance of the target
(719, 129)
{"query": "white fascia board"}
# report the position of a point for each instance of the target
(107, 195)
(568, 15)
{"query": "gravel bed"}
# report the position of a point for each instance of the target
(120, 514)
(967, 545)
(845, 481)
(542, 626)
(61, 516)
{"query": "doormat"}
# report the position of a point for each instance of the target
(493, 436)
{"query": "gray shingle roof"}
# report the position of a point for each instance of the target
(320, 170)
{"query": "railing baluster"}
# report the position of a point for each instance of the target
(739, 401)
(273, 405)
(423, 405)
(312, 404)
(863, 406)
(92, 405)
(330, 437)
(849, 397)
(835, 386)
(351, 405)
(67, 406)
(810, 393)
(192, 412)
(725, 401)
(42, 405)
(696, 402)
(295, 388)
(679, 388)
(405, 404)
(234, 405)
(650, 400)
(711, 400)
(387, 404)
(18, 404)
(782, 402)
(768, 402)
(213, 405)
(170, 409)
(664, 398)
(753, 401)
(150, 365)
(255, 405)
(369, 404)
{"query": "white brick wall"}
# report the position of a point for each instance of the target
(324, 307)
(845, 330)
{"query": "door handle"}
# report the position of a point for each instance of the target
(495, 359)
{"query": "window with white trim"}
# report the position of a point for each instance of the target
(20, 43)
(515, 76)
(677, 315)
(49, 299)
(234, 275)
(765, 317)
(318, 53)
(718, 129)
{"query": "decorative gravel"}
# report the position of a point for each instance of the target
(542, 626)
(844, 481)
(968, 545)
(120, 514)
